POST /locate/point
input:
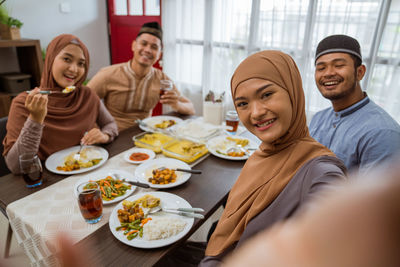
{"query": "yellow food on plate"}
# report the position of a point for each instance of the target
(238, 141)
(165, 124)
(88, 158)
(148, 201)
(230, 146)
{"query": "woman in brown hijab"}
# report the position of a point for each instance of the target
(289, 166)
(44, 124)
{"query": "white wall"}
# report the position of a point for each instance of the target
(87, 20)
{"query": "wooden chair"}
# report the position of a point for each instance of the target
(3, 167)
(3, 171)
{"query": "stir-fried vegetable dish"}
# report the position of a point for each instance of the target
(111, 188)
(133, 218)
(163, 176)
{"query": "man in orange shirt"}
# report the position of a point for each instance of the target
(132, 89)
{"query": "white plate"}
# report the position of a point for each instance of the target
(101, 174)
(149, 152)
(57, 159)
(222, 144)
(167, 200)
(152, 121)
(144, 171)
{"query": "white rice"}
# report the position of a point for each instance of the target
(161, 228)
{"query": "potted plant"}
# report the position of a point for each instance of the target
(9, 26)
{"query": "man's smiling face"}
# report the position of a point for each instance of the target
(335, 75)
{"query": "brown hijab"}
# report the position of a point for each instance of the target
(268, 170)
(68, 115)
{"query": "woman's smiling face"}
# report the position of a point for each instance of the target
(68, 66)
(264, 108)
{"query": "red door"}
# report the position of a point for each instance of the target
(125, 18)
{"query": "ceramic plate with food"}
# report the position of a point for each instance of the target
(139, 155)
(152, 230)
(150, 173)
(111, 184)
(222, 146)
(63, 162)
(159, 122)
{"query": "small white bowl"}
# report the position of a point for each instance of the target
(149, 152)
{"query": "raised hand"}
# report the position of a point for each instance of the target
(36, 104)
(170, 98)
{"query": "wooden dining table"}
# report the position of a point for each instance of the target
(208, 191)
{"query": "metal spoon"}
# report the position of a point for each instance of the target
(239, 148)
(77, 156)
(182, 213)
(139, 184)
(45, 92)
(67, 90)
(152, 128)
(182, 170)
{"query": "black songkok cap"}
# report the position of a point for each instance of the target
(338, 44)
(152, 28)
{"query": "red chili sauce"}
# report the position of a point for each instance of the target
(137, 156)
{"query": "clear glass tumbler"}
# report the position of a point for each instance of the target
(90, 202)
(165, 85)
(31, 169)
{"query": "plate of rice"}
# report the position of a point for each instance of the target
(161, 229)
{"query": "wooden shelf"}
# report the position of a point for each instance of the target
(29, 56)
(30, 61)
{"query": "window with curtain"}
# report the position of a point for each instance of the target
(205, 40)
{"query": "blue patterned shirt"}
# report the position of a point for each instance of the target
(362, 135)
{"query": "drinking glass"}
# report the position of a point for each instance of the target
(165, 85)
(31, 169)
(90, 202)
(232, 119)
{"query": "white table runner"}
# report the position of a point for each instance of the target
(38, 218)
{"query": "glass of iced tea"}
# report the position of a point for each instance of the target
(31, 169)
(165, 85)
(90, 202)
(232, 119)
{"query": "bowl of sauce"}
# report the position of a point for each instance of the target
(139, 155)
